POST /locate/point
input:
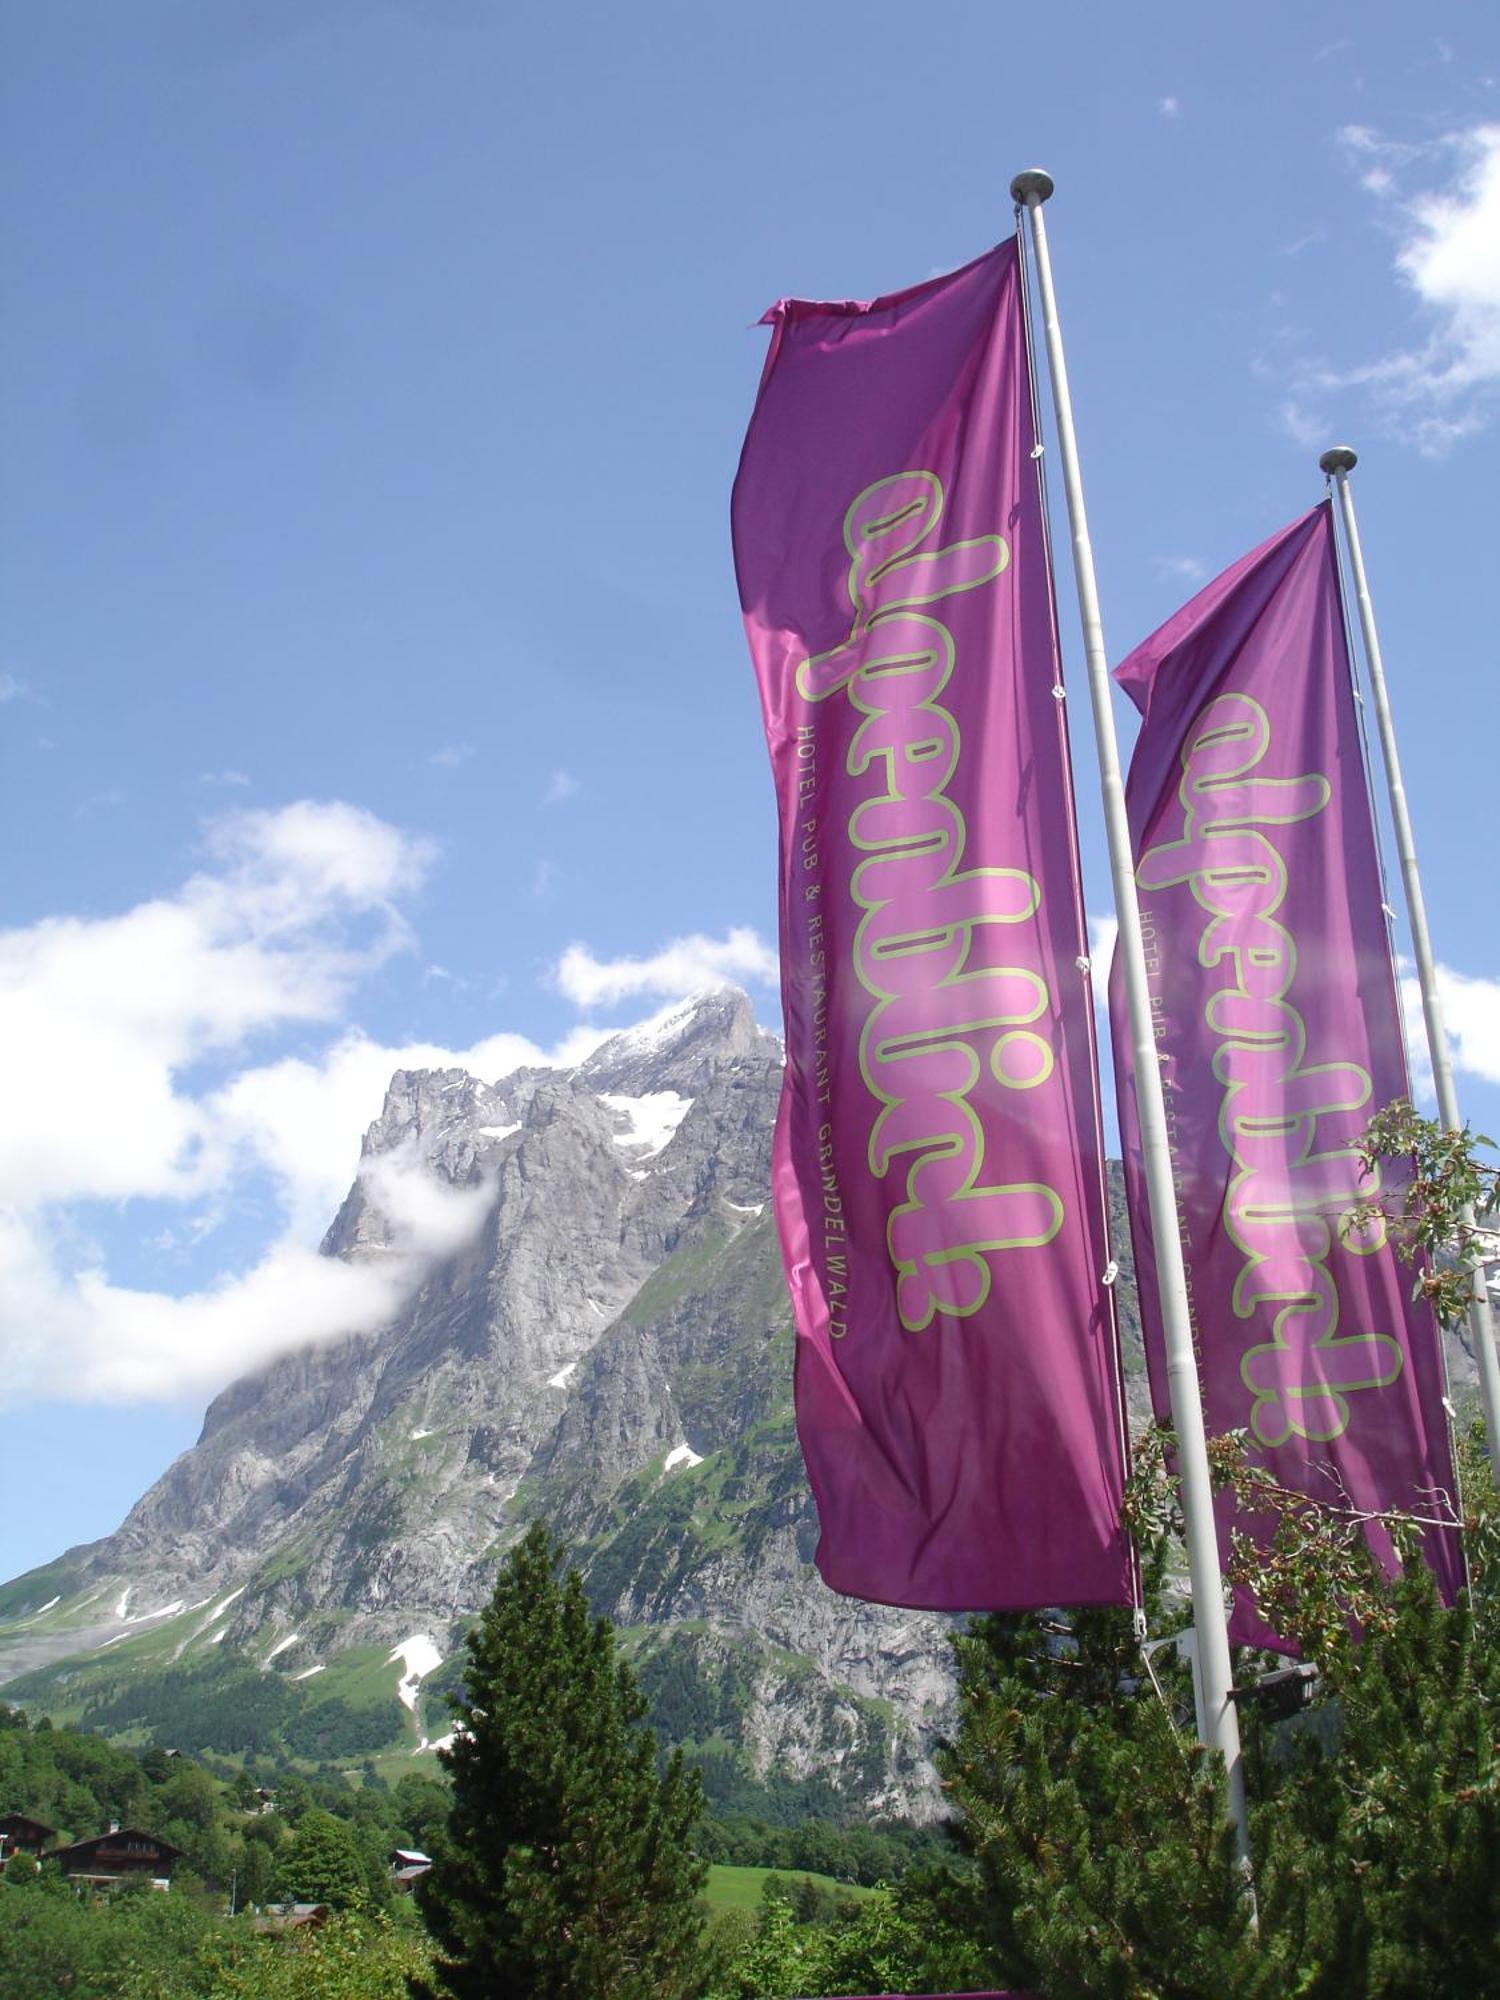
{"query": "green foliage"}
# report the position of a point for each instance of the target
(659, 1533)
(335, 1730)
(71, 1781)
(1105, 1858)
(566, 1869)
(349, 1958)
(228, 1706)
(56, 1942)
(28, 1593)
(327, 1841)
(1105, 1864)
(1380, 1842)
(321, 1864)
(1098, 1826)
(690, 1698)
(887, 1943)
(1430, 1203)
(420, 1805)
(851, 1853)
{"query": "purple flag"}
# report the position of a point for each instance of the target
(1276, 1019)
(937, 1166)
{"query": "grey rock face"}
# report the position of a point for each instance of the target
(608, 1345)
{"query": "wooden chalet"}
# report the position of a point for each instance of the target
(20, 1834)
(292, 1917)
(119, 1855)
(406, 1864)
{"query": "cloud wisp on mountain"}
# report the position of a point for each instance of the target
(141, 1066)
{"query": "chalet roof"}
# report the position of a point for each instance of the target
(402, 1857)
(291, 1916)
(18, 1824)
(84, 1849)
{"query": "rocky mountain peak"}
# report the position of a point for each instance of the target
(422, 1106)
(682, 1048)
(606, 1343)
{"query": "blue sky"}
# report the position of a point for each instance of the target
(372, 686)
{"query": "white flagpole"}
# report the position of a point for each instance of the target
(1336, 465)
(1218, 1723)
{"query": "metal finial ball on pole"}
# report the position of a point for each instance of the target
(1338, 458)
(1032, 181)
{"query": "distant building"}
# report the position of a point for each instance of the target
(20, 1834)
(292, 1917)
(407, 1863)
(119, 1855)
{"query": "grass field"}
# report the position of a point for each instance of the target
(739, 1888)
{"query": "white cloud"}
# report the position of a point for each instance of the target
(80, 1337)
(1304, 423)
(1103, 937)
(67, 1332)
(101, 1020)
(1104, 934)
(426, 1216)
(561, 787)
(1444, 385)
(1470, 1007)
(1471, 1018)
(1169, 107)
(687, 965)
(1186, 569)
(1471, 1014)
(132, 1072)
(451, 756)
(98, 1018)
(230, 780)
(302, 1121)
(11, 689)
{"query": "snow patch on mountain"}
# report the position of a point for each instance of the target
(418, 1656)
(653, 1119)
(647, 1037)
(150, 1617)
(683, 1454)
(560, 1379)
(280, 1647)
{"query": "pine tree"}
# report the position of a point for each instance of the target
(566, 1870)
(1098, 1825)
(1382, 1848)
(1105, 1857)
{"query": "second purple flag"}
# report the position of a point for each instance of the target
(1276, 1020)
(937, 1169)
